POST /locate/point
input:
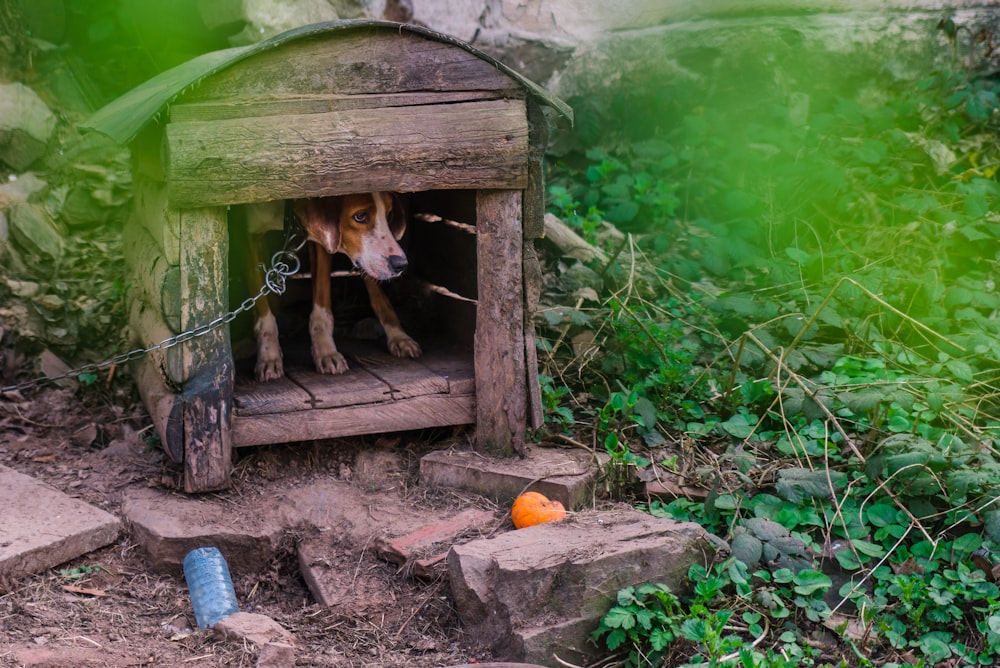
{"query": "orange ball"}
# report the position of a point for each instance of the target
(532, 508)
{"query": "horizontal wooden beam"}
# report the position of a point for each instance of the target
(437, 410)
(469, 145)
(318, 104)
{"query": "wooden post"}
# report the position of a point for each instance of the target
(501, 403)
(208, 361)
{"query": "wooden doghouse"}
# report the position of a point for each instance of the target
(329, 109)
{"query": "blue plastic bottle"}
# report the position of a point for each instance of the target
(210, 585)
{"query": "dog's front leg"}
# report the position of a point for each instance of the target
(324, 351)
(269, 365)
(401, 344)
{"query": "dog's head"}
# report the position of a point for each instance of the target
(366, 227)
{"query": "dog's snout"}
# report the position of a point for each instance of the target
(397, 263)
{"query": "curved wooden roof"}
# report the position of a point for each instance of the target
(125, 117)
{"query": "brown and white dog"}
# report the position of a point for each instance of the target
(365, 227)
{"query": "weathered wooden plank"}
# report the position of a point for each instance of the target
(360, 61)
(404, 377)
(499, 346)
(151, 209)
(534, 193)
(207, 417)
(207, 359)
(277, 396)
(148, 328)
(153, 279)
(164, 405)
(532, 295)
(354, 386)
(455, 367)
(204, 286)
(315, 104)
(437, 410)
(406, 149)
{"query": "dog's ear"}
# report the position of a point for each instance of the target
(320, 216)
(397, 217)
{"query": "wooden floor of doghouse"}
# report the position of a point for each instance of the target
(378, 393)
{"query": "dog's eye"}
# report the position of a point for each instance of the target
(360, 217)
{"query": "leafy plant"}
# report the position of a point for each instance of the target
(802, 319)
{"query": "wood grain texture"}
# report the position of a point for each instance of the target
(151, 210)
(499, 347)
(207, 417)
(154, 281)
(402, 415)
(454, 367)
(207, 359)
(314, 104)
(361, 61)
(277, 396)
(165, 407)
(354, 386)
(534, 193)
(204, 286)
(405, 149)
(149, 329)
(403, 377)
(532, 295)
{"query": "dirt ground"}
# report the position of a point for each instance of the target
(108, 609)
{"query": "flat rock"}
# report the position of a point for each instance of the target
(421, 550)
(257, 629)
(562, 475)
(527, 591)
(169, 526)
(40, 527)
(249, 535)
(25, 125)
(34, 231)
(276, 655)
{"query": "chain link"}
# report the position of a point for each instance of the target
(284, 263)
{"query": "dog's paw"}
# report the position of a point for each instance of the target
(269, 365)
(269, 369)
(329, 362)
(404, 346)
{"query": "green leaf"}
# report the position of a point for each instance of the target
(797, 484)
(882, 514)
(644, 412)
(659, 639)
(961, 370)
(808, 582)
(615, 639)
(644, 619)
(738, 426)
(868, 549)
(694, 629)
(747, 548)
(619, 618)
(934, 646)
(992, 521)
(993, 622)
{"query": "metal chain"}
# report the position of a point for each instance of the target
(284, 263)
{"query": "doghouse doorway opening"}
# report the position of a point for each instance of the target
(379, 393)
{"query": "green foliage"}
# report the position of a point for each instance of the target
(801, 318)
(81, 572)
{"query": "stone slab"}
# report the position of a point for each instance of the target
(40, 527)
(563, 475)
(168, 526)
(525, 591)
(257, 629)
(26, 124)
(420, 551)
